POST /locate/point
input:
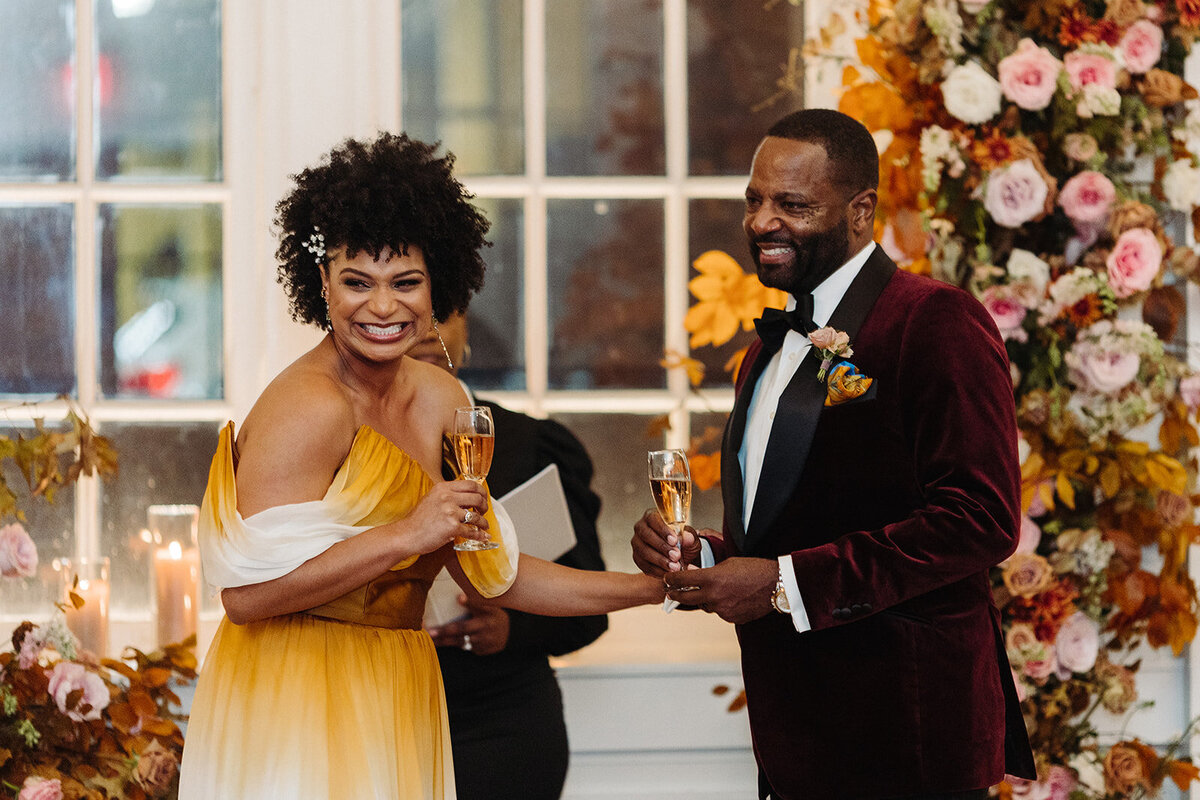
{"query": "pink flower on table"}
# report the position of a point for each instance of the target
(1016, 194)
(68, 677)
(1029, 76)
(1062, 782)
(1077, 643)
(1039, 668)
(1087, 197)
(1134, 261)
(1086, 68)
(1098, 369)
(1141, 46)
(1004, 305)
(36, 788)
(18, 553)
(1189, 391)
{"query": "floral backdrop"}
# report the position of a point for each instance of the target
(1043, 155)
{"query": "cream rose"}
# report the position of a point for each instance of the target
(18, 553)
(1088, 197)
(1027, 574)
(1180, 185)
(829, 339)
(1141, 46)
(1077, 643)
(1094, 368)
(68, 677)
(1080, 146)
(1029, 76)
(1025, 267)
(1134, 261)
(1118, 692)
(973, 6)
(1015, 194)
(970, 94)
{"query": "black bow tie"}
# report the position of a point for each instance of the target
(774, 323)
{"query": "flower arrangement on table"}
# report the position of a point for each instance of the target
(73, 725)
(1044, 156)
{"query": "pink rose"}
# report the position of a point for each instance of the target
(1141, 46)
(1090, 69)
(1189, 391)
(1015, 194)
(1105, 371)
(32, 645)
(156, 770)
(1007, 310)
(1029, 790)
(1078, 643)
(1031, 536)
(1088, 197)
(1029, 76)
(1039, 670)
(1062, 782)
(18, 554)
(1134, 261)
(67, 677)
(830, 339)
(36, 788)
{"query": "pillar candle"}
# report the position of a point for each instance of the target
(89, 622)
(176, 591)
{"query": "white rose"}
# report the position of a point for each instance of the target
(1025, 266)
(1179, 185)
(1099, 101)
(971, 94)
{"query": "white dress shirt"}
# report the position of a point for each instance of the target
(760, 415)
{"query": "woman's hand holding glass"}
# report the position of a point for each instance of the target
(474, 440)
(452, 510)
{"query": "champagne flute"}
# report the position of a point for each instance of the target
(671, 485)
(474, 438)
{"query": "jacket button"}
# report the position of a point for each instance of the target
(841, 613)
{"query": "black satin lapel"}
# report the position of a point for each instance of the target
(800, 404)
(732, 488)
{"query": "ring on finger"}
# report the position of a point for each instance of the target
(468, 516)
(466, 645)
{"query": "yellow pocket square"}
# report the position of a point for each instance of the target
(845, 383)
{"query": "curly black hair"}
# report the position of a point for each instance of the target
(384, 194)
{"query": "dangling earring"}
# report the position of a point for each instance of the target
(442, 342)
(328, 321)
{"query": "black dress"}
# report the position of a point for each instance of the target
(506, 717)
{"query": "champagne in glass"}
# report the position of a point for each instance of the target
(671, 485)
(474, 438)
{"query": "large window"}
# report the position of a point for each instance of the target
(112, 213)
(609, 141)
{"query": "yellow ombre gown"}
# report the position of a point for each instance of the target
(343, 700)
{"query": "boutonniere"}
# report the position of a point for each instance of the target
(833, 344)
(844, 381)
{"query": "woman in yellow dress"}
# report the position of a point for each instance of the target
(326, 518)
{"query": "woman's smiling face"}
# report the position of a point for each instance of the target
(378, 307)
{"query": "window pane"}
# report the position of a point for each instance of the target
(161, 464)
(37, 327)
(606, 294)
(51, 525)
(158, 89)
(707, 506)
(617, 444)
(717, 225)
(495, 319)
(161, 301)
(604, 87)
(37, 90)
(738, 51)
(462, 81)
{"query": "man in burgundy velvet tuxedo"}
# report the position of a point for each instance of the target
(860, 525)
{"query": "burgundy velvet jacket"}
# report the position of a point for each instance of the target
(893, 507)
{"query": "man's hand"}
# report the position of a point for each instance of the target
(656, 548)
(483, 632)
(737, 590)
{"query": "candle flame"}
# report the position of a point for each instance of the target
(174, 551)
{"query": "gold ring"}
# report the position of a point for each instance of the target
(469, 516)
